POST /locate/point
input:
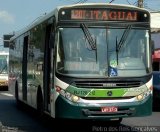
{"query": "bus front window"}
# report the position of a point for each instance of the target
(76, 57)
(3, 66)
(132, 58)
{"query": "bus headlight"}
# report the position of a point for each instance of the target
(75, 98)
(143, 95)
(67, 95)
(62, 92)
(140, 97)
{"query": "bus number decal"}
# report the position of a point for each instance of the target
(84, 93)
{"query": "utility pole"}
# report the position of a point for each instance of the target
(140, 3)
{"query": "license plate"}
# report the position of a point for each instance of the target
(109, 109)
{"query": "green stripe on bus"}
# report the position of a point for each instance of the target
(84, 92)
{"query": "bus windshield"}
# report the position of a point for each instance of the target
(119, 52)
(3, 65)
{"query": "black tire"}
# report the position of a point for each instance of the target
(16, 95)
(40, 102)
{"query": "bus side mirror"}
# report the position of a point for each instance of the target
(6, 40)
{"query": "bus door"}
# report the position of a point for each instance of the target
(47, 70)
(24, 68)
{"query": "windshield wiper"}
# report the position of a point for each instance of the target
(91, 40)
(123, 38)
(117, 49)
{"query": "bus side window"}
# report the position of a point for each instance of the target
(40, 67)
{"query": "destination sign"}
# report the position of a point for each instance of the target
(104, 15)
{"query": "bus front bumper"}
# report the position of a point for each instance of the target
(67, 109)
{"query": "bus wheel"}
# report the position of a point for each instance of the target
(39, 102)
(16, 95)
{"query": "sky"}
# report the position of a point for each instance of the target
(17, 14)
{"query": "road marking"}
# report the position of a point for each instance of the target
(7, 94)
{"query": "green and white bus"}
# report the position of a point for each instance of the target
(85, 61)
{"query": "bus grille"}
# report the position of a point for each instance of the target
(107, 98)
(108, 84)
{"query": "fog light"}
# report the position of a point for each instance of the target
(75, 98)
(140, 97)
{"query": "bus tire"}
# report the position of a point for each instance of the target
(39, 102)
(16, 95)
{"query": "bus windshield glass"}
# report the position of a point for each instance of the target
(3, 65)
(118, 52)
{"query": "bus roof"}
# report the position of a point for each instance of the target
(101, 4)
(49, 15)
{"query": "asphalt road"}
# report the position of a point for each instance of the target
(24, 119)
